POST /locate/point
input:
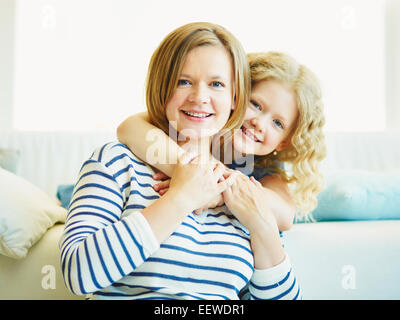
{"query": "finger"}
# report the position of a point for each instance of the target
(256, 182)
(227, 194)
(228, 172)
(227, 183)
(162, 185)
(163, 191)
(160, 176)
(219, 170)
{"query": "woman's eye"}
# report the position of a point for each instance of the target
(278, 124)
(182, 82)
(217, 84)
(255, 105)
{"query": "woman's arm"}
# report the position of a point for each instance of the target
(149, 143)
(103, 239)
(99, 246)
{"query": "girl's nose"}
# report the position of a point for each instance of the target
(257, 124)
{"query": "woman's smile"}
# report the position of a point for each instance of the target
(197, 116)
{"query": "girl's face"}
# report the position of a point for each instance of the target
(269, 120)
(201, 104)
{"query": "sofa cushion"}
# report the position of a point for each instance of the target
(26, 212)
(359, 195)
(9, 159)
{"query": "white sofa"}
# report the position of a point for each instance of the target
(332, 259)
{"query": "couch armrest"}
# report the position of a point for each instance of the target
(38, 275)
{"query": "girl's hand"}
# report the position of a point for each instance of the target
(245, 199)
(163, 186)
(198, 181)
(160, 176)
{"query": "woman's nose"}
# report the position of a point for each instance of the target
(200, 95)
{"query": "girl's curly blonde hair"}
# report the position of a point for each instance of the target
(307, 146)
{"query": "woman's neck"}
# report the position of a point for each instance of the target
(199, 146)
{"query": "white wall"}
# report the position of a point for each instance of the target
(7, 19)
(393, 63)
(81, 64)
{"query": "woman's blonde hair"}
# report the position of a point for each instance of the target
(307, 145)
(167, 62)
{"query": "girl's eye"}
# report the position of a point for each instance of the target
(183, 82)
(256, 105)
(278, 124)
(217, 84)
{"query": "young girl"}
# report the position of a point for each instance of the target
(282, 127)
(122, 240)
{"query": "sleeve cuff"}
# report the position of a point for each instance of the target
(273, 274)
(143, 232)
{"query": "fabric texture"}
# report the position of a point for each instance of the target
(64, 194)
(9, 159)
(359, 195)
(247, 166)
(109, 250)
(26, 212)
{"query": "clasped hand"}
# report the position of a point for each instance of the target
(198, 180)
(207, 183)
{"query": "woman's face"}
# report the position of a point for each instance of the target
(201, 104)
(269, 120)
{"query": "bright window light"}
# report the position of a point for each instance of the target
(81, 64)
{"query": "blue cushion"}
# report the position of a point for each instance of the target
(64, 194)
(359, 195)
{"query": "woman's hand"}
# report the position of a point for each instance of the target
(163, 186)
(217, 202)
(197, 181)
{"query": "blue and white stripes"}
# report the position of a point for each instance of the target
(109, 249)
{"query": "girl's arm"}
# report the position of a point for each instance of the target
(144, 139)
(149, 143)
(273, 277)
(280, 201)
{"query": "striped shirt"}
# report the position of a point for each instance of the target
(109, 250)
